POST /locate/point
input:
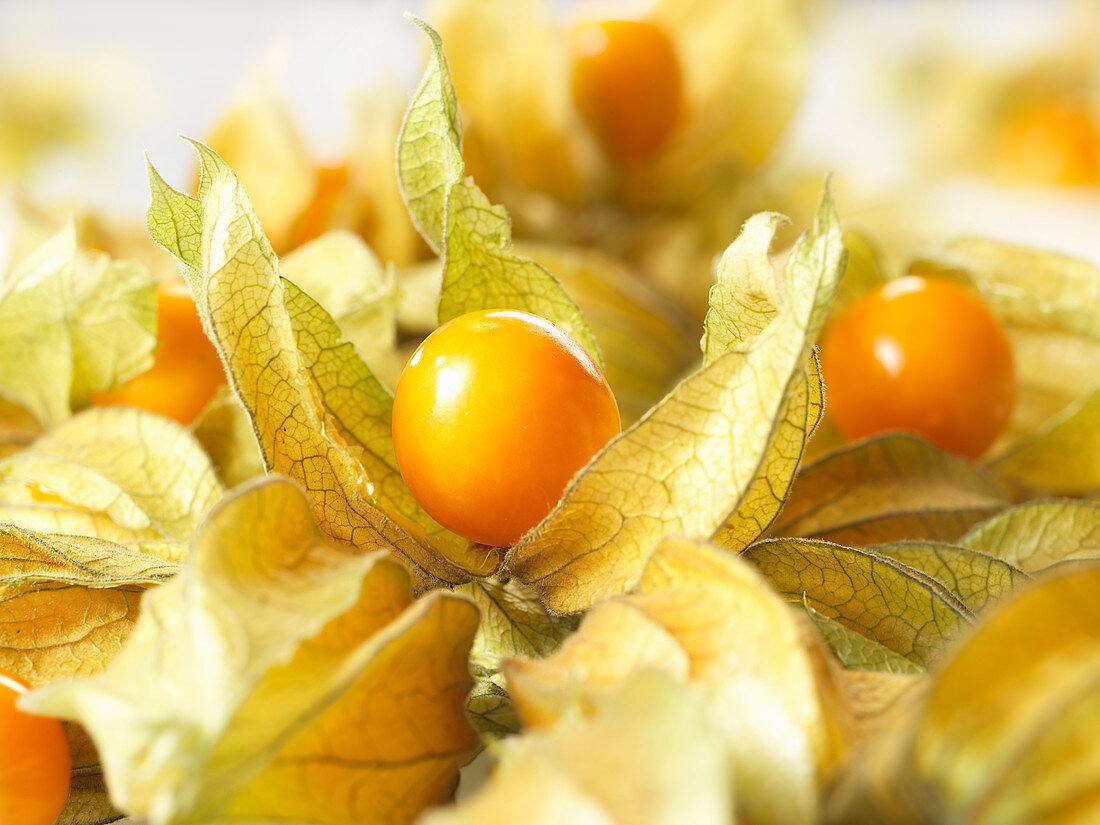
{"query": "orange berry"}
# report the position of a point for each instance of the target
(1052, 142)
(316, 218)
(628, 86)
(186, 371)
(495, 412)
(923, 355)
(37, 768)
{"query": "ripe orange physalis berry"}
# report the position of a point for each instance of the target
(628, 86)
(923, 355)
(1053, 142)
(37, 769)
(186, 371)
(493, 415)
(316, 218)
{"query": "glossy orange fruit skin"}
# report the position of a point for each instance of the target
(628, 86)
(37, 769)
(186, 371)
(923, 355)
(493, 415)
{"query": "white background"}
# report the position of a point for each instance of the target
(167, 68)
